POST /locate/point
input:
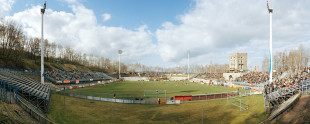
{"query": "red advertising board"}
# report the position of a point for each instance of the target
(66, 81)
(188, 97)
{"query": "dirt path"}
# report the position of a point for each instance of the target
(298, 110)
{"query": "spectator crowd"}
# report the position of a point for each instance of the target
(210, 75)
(73, 75)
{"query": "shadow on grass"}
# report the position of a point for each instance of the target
(189, 91)
(187, 116)
(256, 118)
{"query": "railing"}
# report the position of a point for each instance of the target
(139, 101)
(283, 107)
(9, 94)
(305, 88)
(41, 118)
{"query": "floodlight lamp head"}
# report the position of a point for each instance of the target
(188, 51)
(120, 51)
(270, 10)
(43, 9)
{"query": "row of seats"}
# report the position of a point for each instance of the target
(25, 84)
(73, 76)
(210, 75)
(280, 95)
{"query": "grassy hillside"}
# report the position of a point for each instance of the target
(14, 114)
(48, 65)
(22, 59)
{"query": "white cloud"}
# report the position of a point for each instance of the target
(210, 30)
(81, 31)
(72, 1)
(233, 26)
(5, 6)
(106, 17)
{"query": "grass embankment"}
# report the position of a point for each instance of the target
(50, 65)
(217, 111)
(136, 89)
(31, 64)
(14, 114)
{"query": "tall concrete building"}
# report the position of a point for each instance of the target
(238, 62)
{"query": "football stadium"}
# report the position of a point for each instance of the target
(213, 63)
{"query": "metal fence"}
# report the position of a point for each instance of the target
(10, 95)
(128, 101)
(207, 97)
(8, 92)
(33, 111)
(305, 88)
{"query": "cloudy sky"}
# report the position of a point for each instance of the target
(160, 32)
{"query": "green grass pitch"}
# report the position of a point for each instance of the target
(127, 89)
(81, 111)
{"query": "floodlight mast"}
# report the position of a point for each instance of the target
(42, 45)
(119, 63)
(270, 10)
(188, 52)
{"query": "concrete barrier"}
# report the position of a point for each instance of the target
(173, 102)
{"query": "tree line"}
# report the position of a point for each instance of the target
(16, 47)
(211, 68)
(292, 61)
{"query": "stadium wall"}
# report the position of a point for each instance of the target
(227, 76)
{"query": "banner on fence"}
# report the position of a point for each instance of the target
(188, 97)
(66, 81)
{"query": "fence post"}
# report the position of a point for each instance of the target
(64, 99)
(112, 113)
(1, 89)
(247, 102)
(202, 113)
(227, 98)
(16, 95)
(4, 91)
(240, 104)
(10, 94)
